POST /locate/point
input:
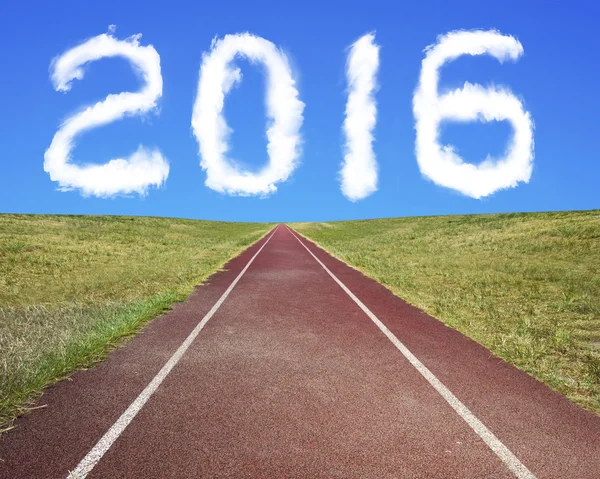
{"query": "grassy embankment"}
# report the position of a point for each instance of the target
(526, 286)
(72, 287)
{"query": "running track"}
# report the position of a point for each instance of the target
(291, 364)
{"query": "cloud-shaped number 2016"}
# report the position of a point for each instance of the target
(441, 164)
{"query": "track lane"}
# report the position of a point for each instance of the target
(503, 453)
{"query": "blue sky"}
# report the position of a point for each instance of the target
(557, 78)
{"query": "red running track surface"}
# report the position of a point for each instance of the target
(291, 379)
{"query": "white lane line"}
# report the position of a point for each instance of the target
(104, 444)
(506, 456)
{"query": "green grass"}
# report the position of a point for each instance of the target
(72, 287)
(526, 286)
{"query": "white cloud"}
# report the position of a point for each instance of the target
(284, 112)
(142, 169)
(442, 164)
(359, 168)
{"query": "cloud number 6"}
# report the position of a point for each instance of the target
(442, 164)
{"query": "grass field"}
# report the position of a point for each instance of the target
(526, 286)
(72, 287)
